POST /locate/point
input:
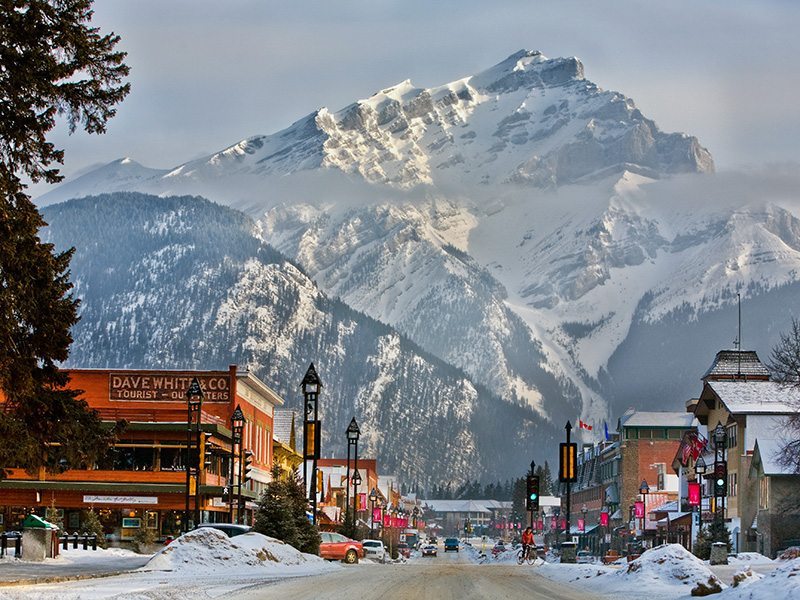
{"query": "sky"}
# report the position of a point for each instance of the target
(206, 74)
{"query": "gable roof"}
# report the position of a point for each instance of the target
(282, 426)
(735, 364)
(754, 397)
(767, 451)
(658, 419)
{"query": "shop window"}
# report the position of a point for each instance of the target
(732, 434)
(172, 459)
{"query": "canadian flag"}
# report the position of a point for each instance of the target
(583, 425)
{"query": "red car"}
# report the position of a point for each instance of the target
(335, 546)
(404, 550)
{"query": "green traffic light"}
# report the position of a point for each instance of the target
(533, 496)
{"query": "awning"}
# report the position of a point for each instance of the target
(575, 531)
(617, 514)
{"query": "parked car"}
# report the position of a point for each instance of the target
(584, 557)
(229, 529)
(451, 544)
(335, 546)
(404, 550)
(429, 550)
(374, 549)
(499, 548)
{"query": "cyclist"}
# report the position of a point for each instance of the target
(527, 541)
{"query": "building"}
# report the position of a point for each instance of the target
(284, 442)
(142, 481)
(610, 476)
(777, 520)
(738, 395)
(332, 488)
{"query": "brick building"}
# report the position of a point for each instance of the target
(141, 481)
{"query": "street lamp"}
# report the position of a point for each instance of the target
(700, 470)
(720, 436)
(356, 503)
(373, 497)
(311, 385)
(237, 428)
(644, 489)
(353, 433)
(415, 514)
(194, 404)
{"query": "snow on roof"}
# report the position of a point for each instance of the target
(762, 427)
(732, 363)
(659, 419)
(461, 506)
(770, 451)
(768, 397)
(282, 425)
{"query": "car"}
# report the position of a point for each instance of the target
(229, 529)
(499, 548)
(584, 557)
(429, 550)
(451, 544)
(335, 546)
(374, 549)
(404, 550)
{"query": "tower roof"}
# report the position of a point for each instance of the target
(736, 364)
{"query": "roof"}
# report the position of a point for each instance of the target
(282, 421)
(659, 419)
(460, 506)
(734, 363)
(769, 451)
(766, 397)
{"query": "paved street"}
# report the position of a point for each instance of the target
(445, 576)
(14, 571)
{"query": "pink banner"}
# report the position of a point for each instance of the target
(362, 499)
(539, 525)
(604, 519)
(638, 510)
(694, 493)
(376, 515)
(387, 520)
(581, 525)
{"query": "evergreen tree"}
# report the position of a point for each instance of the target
(92, 526)
(52, 515)
(546, 481)
(282, 513)
(716, 531)
(52, 63)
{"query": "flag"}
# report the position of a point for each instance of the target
(583, 425)
(605, 431)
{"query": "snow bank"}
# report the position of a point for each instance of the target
(207, 549)
(669, 565)
(783, 583)
(749, 558)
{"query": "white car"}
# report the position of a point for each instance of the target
(584, 557)
(374, 549)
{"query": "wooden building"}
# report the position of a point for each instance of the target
(141, 481)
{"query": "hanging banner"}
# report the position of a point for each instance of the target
(387, 520)
(362, 500)
(694, 493)
(638, 510)
(604, 519)
(539, 525)
(377, 517)
(311, 435)
(582, 525)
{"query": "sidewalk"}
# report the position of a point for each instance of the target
(71, 564)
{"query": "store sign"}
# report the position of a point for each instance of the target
(120, 499)
(166, 387)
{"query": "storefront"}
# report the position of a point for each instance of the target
(141, 482)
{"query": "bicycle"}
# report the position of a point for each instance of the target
(527, 554)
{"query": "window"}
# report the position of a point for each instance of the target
(674, 434)
(732, 484)
(732, 431)
(661, 470)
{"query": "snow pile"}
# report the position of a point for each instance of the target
(749, 558)
(207, 549)
(783, 582)
(670, 565)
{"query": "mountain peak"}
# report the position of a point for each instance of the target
(528, 68)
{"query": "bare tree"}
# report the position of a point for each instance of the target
(785, 366)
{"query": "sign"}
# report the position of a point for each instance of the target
(166, 387)
(638, 510)
(568, 462)
(582, 525)
(362, 501)
(694, 493)
(120, 499)
(604, 518)
(131, 523)
(377, 517)
(311, 436)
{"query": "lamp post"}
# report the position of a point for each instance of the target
(237, 429)
(194, 404)
(584, 510)
(644, 489)
(533, 472)
(353, 433)
(311, 386)
(373, 496)
(415, 514)
(604, 525)
(356, 503)
(699, 470)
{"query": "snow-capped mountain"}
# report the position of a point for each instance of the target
(183, 283)
(522, 224)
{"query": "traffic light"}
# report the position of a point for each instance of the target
(720, 479)
(248, 466)
(226, 495)
(532, 496)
